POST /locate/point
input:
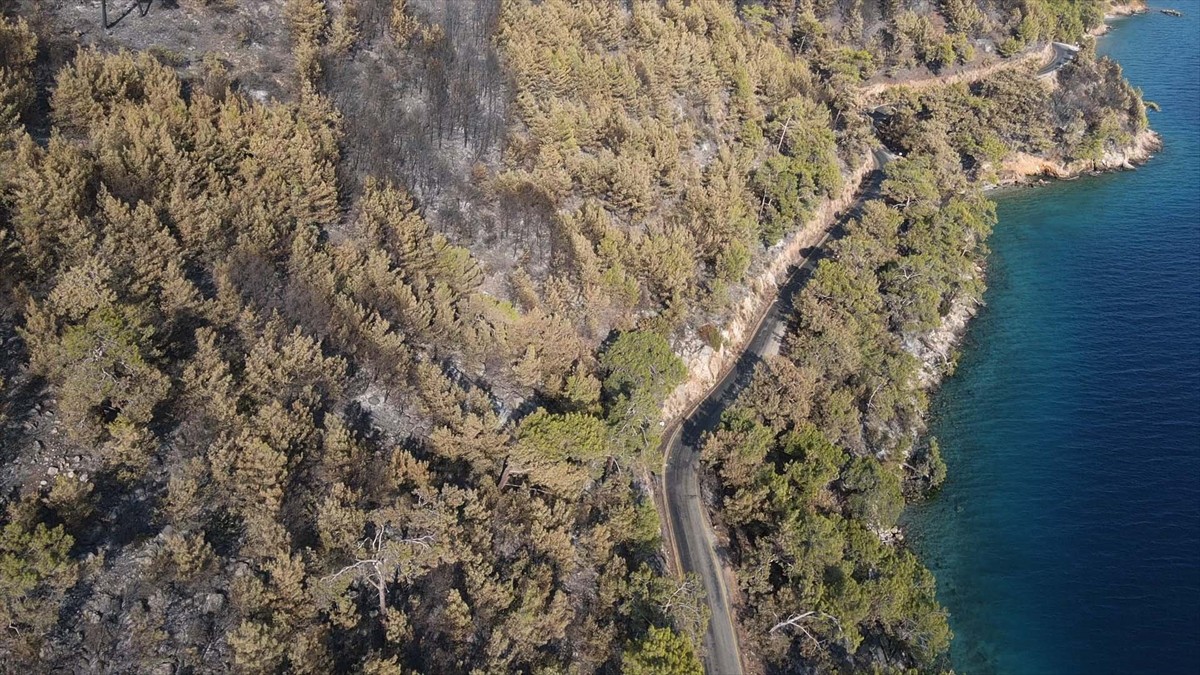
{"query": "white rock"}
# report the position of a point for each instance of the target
(213, 602)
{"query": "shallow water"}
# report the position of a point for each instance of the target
(1067, 537)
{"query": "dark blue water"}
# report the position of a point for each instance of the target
(1067, 537)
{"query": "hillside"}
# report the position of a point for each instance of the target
(336, 333)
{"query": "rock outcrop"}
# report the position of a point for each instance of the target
(1023, 167)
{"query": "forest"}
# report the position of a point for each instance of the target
(815, 462)
(365, 373)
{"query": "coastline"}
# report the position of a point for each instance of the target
(1127, 9)
(936, 349)
(1118, 12)
(706, 365)
(937, 353)
(1066, 431)
(1023, 168)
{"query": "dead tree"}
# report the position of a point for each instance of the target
(380, 561)
(142, 6)
(794, 622)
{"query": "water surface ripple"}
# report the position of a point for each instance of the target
(1067, 537)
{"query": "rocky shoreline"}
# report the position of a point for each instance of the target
(1023, 168)
(936, 349)
(1126, 9)
(1117, 12)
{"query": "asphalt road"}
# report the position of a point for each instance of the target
(689, 535)
(690, 538)
(1063, 54)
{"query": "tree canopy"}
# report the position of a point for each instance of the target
(336, 335)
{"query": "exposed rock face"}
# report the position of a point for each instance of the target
(936, 349)
(1022, 167)
(706, 365)
(1127, 8)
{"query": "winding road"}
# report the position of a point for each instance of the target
(1063, 54)
(690, 542)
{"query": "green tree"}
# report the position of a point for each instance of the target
(802, 168)
(101, 364)
(913, 182)
(556, 450)
(36, 571)
(641, 362)
(661, 652)
(874, 492)
(640, 370)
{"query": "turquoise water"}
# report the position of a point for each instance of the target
(1067, 537)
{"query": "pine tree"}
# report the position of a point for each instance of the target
(662, 652)
(36, 571)
(18, 50)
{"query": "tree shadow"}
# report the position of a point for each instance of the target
(707, 417)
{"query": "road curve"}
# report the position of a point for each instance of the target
(690, 542)
(688, 535)
(1063, 54)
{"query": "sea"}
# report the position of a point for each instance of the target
(1067, 536)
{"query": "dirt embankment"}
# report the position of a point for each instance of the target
(935, 350)
(706, 365)
(1023, 168)
(969, 75)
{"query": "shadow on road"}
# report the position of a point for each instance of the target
(780, 320)
(689, 535)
